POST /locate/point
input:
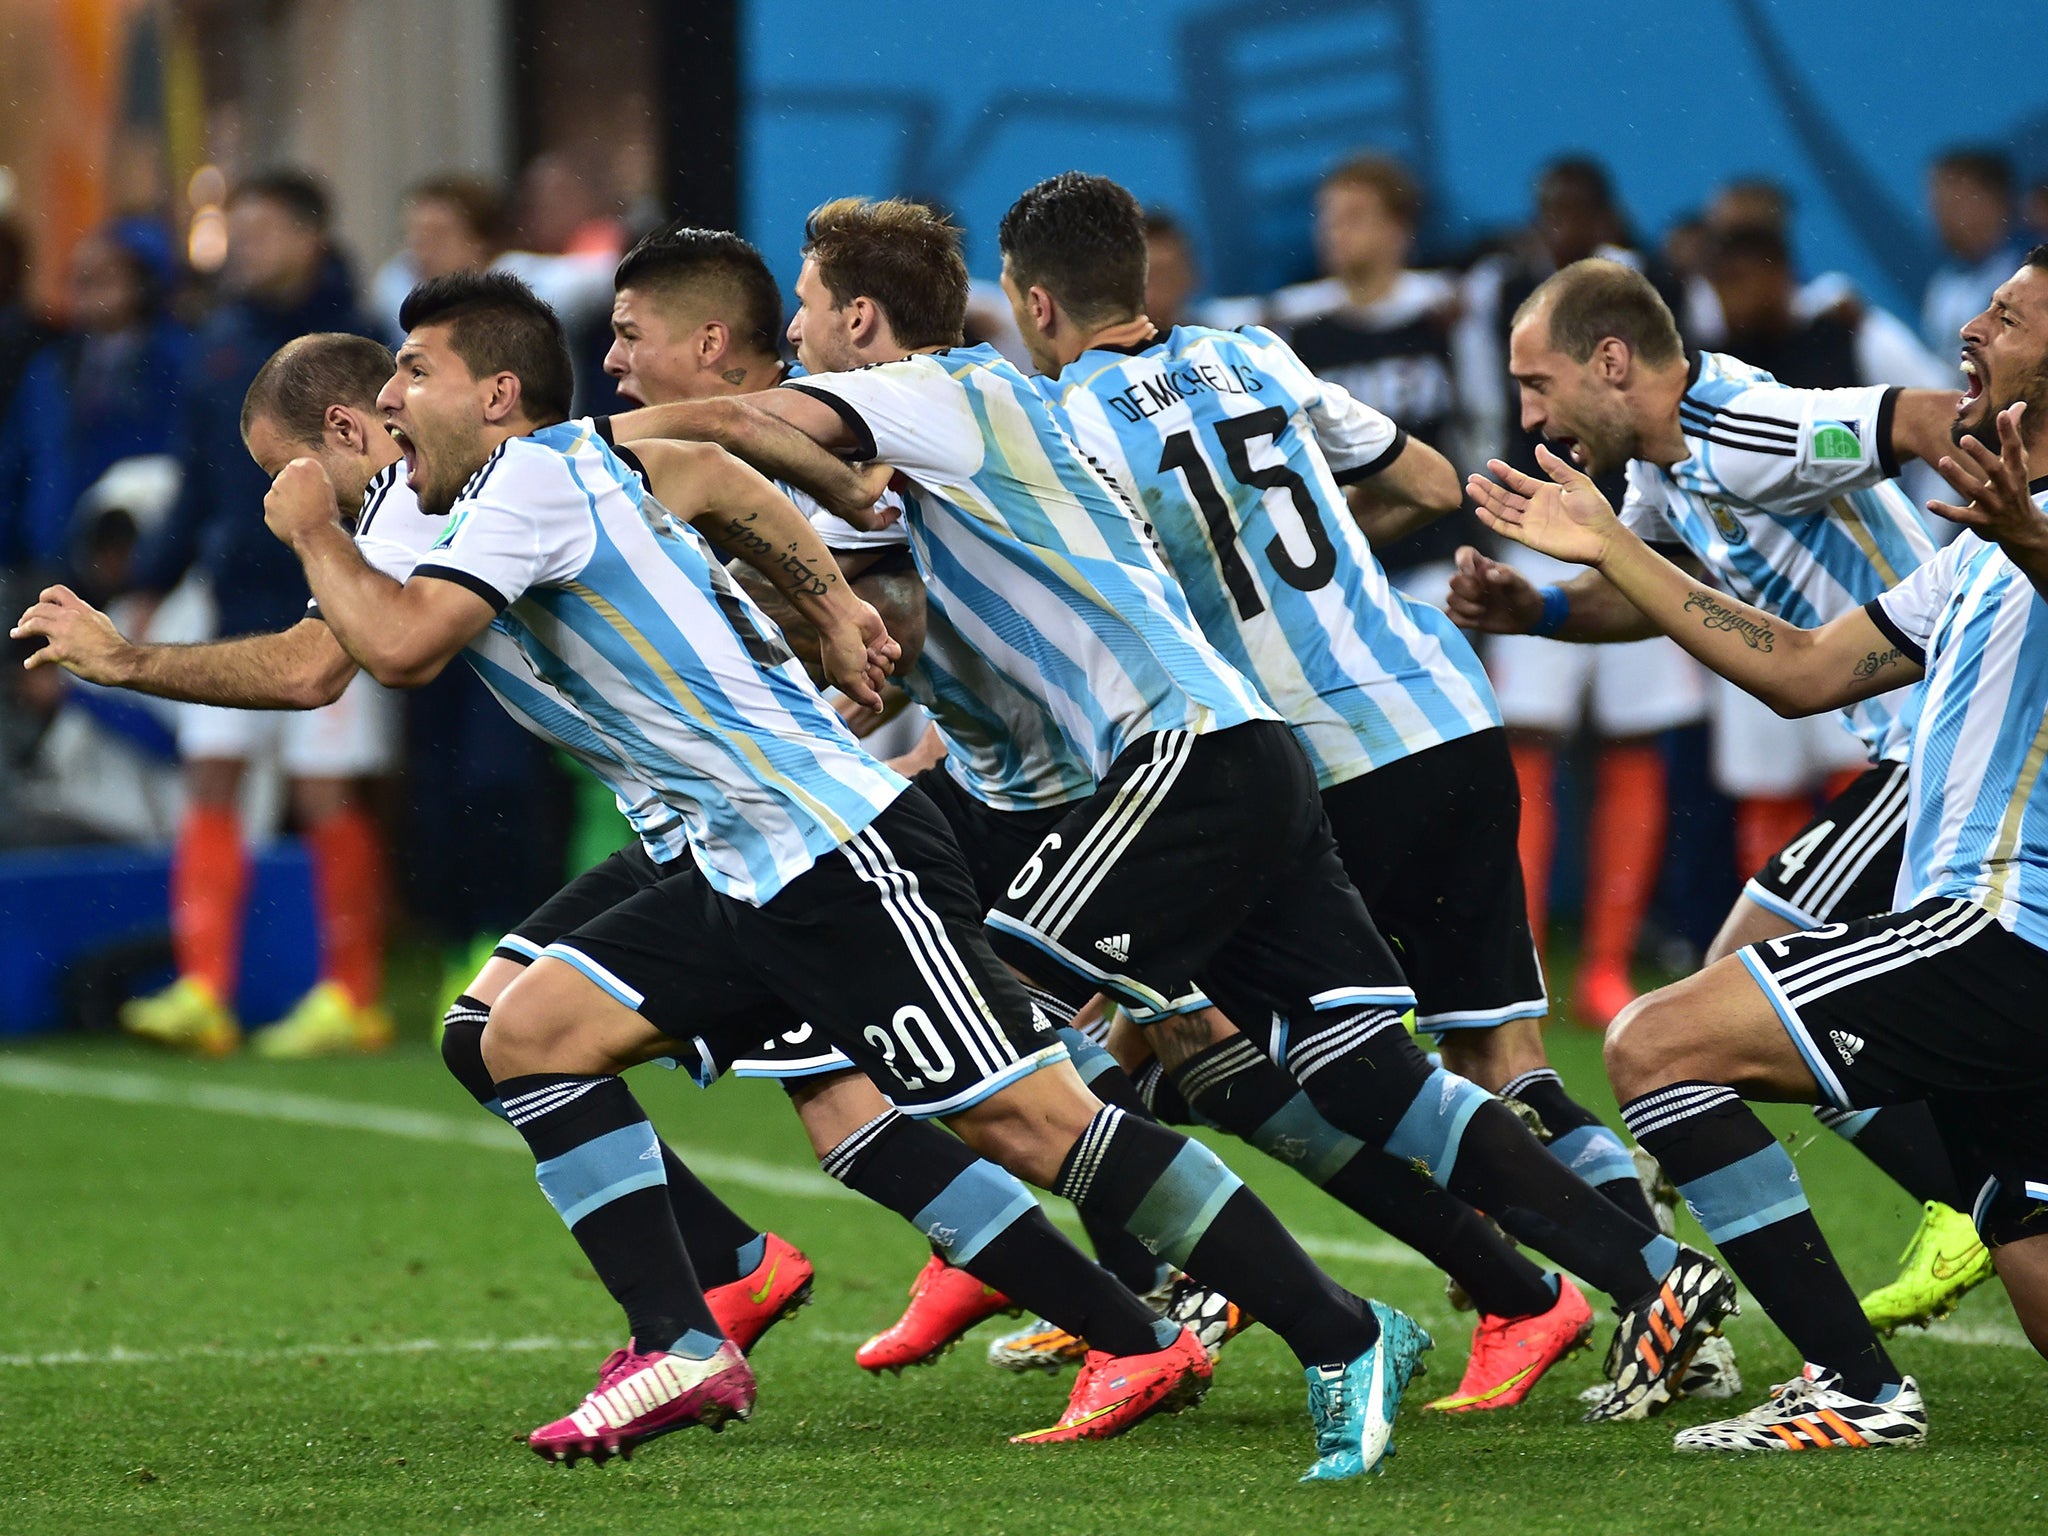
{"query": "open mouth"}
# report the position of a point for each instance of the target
(628, 395)
(1973, 384)
(410, 453)
(1569, 449)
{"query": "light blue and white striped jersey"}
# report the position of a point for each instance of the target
(1977, 824)
(659, 673)
(1006, 747)
(1236, 452)
(394, 535)
(1035, 561)
(1787, 498)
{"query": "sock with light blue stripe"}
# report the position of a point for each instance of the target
(1115, 1249)
(1178, 1199)
(981, 1219)
(1743, 1188)
(601, 1168)
(1580, 1141)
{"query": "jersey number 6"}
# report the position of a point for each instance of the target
(1234, 434)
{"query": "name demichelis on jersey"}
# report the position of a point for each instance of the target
(1787, 498)
(1977, 830)
(1231, 424)
(620, 638)
(1032, 560)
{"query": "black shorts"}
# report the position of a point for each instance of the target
(1844, 864)
(1430, 842)
(995, 843)
(1939, 1004)
(1203, 866)
(876, 952)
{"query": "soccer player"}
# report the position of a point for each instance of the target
(1938, 1000)
(607, 624)
(1237, 453)
(1203, 858)
(1784, 496)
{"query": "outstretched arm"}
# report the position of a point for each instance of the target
(1921, 419)
(1996, 502)
(738, 510)
(799, 446)
(401, 635)
(1415, 490)
(1795, 671)
(302, 667)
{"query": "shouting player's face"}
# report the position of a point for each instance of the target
(1581, 408)
(822, 329)
(2005, 358)
(652, 358)
(439, 414)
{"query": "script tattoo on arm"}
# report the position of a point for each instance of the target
(741, 537)
(1876, 662)
(1715, 614)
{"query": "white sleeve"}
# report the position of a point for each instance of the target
(912, 414)
(1908, 612)
(838, 533)
(386, 556)
(525, 523)
(1792, 450)
(1356, 439)
(1643, 508)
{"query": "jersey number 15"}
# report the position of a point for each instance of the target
(1234, 434)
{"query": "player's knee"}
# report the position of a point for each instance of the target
(1639, 1049)
(525, 1030)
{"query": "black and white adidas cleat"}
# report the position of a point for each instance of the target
(1655, 1340)
(1811, 1412)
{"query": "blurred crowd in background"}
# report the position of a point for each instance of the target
(1648, 789)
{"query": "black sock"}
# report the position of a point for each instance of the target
(1115, 1249)
(601, 1169)
(717, 1239)
(1903, 1141)
(1185, 1206)
(1743, 1188)
(984, 1220)
(1367, 1077)
(1235, 1085)
(1580, 1141)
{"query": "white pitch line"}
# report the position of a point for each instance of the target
(117, 1355)
(474, 1130)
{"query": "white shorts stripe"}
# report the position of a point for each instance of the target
(1133, 805)
(1854, 847)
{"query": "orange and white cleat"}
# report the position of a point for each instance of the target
(1510, 1355)
(1114, 1393)
(944, 1303)
(778, 1287)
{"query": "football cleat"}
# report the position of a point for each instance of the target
(1712, 1371)
(944, 1303)
(1040, 1345)
(1657, 1338)
(642, 1396)
(1213, 1318)
(1510, 1355)
(779, 1285)
(1112, 1393)
(1944, 1261)
(325, 1022)
(185, 1016)
(1353, 1405)
(1659, 1193)
(1811, 1412)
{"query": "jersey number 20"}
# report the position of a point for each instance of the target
(1234, 435)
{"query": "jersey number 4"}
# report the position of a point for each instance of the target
(1234, 434)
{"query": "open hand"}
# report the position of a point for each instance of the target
(1997, 503)
(1567, 518)
(1492, 598)
(301, 499)
(80, 638)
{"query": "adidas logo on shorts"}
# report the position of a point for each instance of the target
(1846, 1045)
(1117, 946)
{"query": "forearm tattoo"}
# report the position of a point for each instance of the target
(1877, 661)
(739, 535)
(1715, 614)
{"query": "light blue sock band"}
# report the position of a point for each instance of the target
(969, 1213)
(1090, 1059)
(752, 1253)
(1177, 1210)
(1595, 1154)
(600, 1171)
(1752, 1193)
(1299, 1136)
(1434, 1125)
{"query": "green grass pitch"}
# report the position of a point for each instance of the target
(329, 1298)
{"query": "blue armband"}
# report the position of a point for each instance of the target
(1557, 607)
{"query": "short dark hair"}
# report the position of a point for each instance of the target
(2038, 256)
(299, 193)
(496, 324)
(479, 202)
(1081, 238)
(1158, 223)
(899, 254)
(1989, 168)
(1749, 242)
(1593, 299)
(679, 257)
(304, 377)
(1391, 181)
(1589, 174)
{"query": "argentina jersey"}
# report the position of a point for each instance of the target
(1004, 746)
(1031, 557)
(1787, 497)
(1977, 826)
(1235, 453)
(659, 671)
(393, 534)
